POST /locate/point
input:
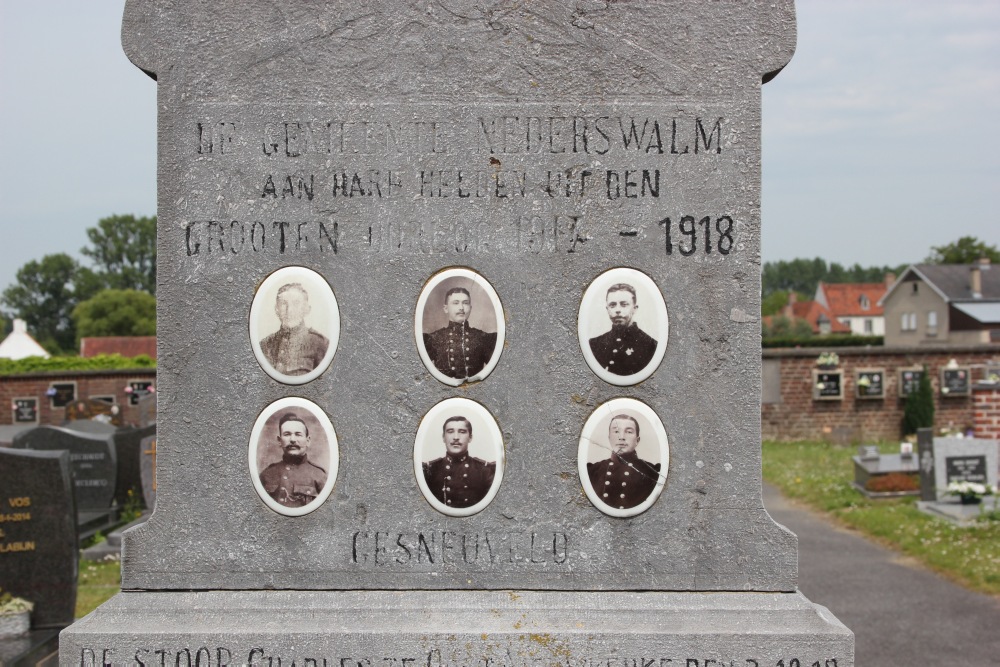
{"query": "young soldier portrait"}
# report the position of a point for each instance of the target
(294, 481)
(458, 479)
(295, 348)
(458, 349)
(623, 480)
(625, 349)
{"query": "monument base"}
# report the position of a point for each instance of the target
(459, 628)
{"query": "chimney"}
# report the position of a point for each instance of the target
(790, 308)
(890, 278)
(976, 279)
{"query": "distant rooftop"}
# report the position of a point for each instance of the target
(127, 346)
(19, 344)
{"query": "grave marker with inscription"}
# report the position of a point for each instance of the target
(458, 176)
(964, 460)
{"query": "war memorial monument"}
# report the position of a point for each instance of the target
(459, 341)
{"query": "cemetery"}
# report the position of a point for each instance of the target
(459, 362)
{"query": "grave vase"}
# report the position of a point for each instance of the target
(971, 500)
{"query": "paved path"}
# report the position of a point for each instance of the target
(902, 615)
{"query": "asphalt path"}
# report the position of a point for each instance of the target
(902, 615)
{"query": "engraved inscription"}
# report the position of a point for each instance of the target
(436, 547)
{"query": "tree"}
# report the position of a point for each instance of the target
(775, 302)
(116, 312)
(784, 327)
(966, 250)
(44, 295)
(123, 249)
(919, 409)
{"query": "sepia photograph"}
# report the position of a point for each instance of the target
(458, 457)
(623, 326)
(459, 326)
(293, 456)
(294, 325)
(623, 457)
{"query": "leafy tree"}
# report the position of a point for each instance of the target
(919, 409)
(965, 250)
(123, 249)
(774, 302)
(44, 295)
(803, 275)
(116, 312)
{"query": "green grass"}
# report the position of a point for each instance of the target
(820, 475)
(98, 582)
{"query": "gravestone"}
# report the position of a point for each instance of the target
(38, 542)
(925, 452)
(128, 452)
(330, 173)
(147, 470)
(93, 462)
(964, 460)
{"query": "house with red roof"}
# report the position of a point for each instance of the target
(818, 316)
(856, 305)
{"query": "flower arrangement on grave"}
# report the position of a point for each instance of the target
(828, 360)
(15, 614)
(970, 493)
(864, 381)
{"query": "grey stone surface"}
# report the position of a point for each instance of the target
(93, 461)
(957, 459)
(484, 628)
(253, 99)
(38, 541)
(951, 509)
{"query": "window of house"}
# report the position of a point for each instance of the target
(869, 326)
(931, 323)
(864, 302)
(909, 322)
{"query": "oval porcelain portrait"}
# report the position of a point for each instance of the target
(458, 457)
(623, 457)
(293, 456)
(622, 326)
(294, 325)
(459, 326)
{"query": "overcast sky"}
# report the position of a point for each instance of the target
(880, 137)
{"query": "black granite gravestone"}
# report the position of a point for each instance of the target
(129, 448)
(38, 540)
(147, 467)
(25, 410)
(965, 469)
(93, 462)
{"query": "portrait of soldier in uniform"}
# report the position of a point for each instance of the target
(294, 325)
(458, 350)
(458, 457)
(458, 479)
(632, 347)
(295, 348)
(626, 349)
(623, 480)
(459, 326)
(293, 455)
(623, 457)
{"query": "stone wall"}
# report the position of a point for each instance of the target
(790, 412)
(89, 384)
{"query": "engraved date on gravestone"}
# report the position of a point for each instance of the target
(966, 469)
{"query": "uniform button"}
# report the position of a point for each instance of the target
(611, 463)
(465, 475)
(605, 495)
(448, 477)
(466, 465)
(449, 502)
(609, 472)
(626, 472)
(622, 496)
(618, 340)
(623, 483)
(607, 482)
(612, 362)
(447, 467)
(615, 350)
(284, 477)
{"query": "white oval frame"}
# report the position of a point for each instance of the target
(320, 294)
(317, 413)
(646, 288)
(418, 317)
(606, 411)
(430, 429)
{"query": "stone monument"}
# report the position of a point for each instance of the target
(459, 342)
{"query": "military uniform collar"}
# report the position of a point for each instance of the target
(458, 325)
(452, 459)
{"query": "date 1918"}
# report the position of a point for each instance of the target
(693, 235)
